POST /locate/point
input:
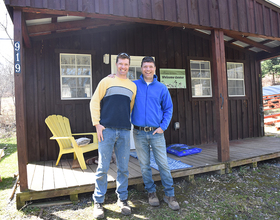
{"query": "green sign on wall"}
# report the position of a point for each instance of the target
(173, 78)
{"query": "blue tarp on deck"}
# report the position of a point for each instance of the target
(271, 90)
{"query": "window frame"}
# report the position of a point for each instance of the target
(243, 79)
(191, 78)
(75, 76)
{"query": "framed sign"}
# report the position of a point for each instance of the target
(17, 57)
(173, 78)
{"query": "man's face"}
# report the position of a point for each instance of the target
(148, 71)
(122, 67)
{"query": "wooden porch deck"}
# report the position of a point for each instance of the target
(45, 180)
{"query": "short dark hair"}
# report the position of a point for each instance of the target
(123, 56)
(148, 60)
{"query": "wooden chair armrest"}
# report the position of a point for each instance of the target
(92, 133)
(54, 138)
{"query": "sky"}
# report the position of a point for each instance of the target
(6, 48)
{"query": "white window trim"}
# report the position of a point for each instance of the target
(75, 76)
(234, 79)
(203, 96)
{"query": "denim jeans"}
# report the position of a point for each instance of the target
(143, 140)
(119, 140)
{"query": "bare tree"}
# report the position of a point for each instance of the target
(6, 63)
(7, 82)
(4, 26)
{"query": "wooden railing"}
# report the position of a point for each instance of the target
(271, 102)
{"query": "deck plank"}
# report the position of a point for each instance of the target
(68, 174)
(30, 173)
(59, 180)
(78, 174)
(37, 183)
(48, 182)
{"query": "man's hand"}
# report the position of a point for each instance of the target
(99, 129)
(158, 130)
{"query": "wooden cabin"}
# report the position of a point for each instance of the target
(213, 46)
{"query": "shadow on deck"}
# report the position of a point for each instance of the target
(45, 180)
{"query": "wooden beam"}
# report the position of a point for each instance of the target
(221, 96)
(25, 34)
(60, 26)
(32, 16)
(231, 41)
(20, 104)
(265, 56)
(250, 42)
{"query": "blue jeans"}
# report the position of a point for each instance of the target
(119, 140)
(143, 140)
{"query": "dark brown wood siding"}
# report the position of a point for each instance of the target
(172, 48)
(247, 16)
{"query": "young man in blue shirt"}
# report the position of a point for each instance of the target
(151, 116)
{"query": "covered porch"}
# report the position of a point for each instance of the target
(45, 180)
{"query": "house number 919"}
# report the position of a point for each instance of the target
(17, 57)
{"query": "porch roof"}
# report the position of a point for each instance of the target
(250, 24)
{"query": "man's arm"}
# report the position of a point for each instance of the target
(95, 108)
(167, 109)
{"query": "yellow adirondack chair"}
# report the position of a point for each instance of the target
(60, 128)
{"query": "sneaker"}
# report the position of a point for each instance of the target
(153, 199)
(171, 201)
(125, 208)
(98, 211)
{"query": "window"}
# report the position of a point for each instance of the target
(134, 71)
(75, 76)
(201, 78)
(235, 76)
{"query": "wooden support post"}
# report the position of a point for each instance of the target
(19, 201)
(74, 198)
(221, 95)
(190, 179)
(228, 168)
(254, 165)
(20, 100)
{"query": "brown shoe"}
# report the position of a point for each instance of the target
(171, 201)
(125, 208)
(153, 199)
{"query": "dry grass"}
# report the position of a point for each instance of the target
(7, 118)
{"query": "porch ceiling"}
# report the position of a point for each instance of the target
(38, 24)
